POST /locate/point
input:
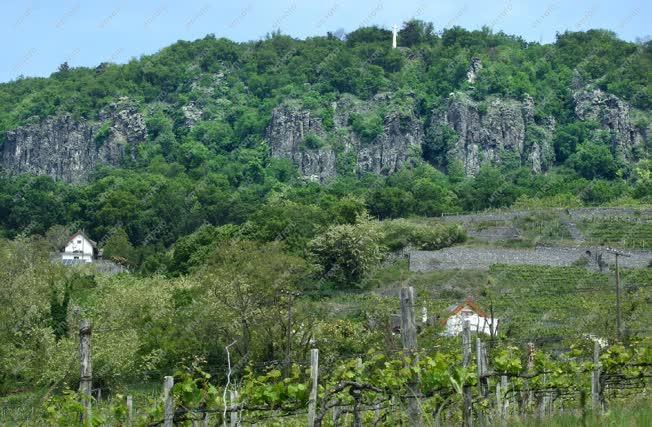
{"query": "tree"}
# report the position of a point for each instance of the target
(390, 202)
(593, 160)
(415, 32)
(439, 141)
(347, 252)
(254, 286)
(118, 246)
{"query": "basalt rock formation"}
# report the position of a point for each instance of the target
(613, 115)
(299, 135)
(70, 149)
(495, 129)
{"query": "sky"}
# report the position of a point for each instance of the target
(41, 34)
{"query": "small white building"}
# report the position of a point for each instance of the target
(79, 250)
(479, 321)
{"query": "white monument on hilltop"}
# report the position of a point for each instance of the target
(394, 33)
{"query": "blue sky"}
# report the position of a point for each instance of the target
(41, 34)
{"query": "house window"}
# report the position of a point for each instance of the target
(76, 257)
(79, 241)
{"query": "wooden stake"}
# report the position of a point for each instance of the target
(467, 400)
(483, 388)
(505, 407)
(595, 380)
(86, 370)
(314, 378)
(233, 394)
(168, 420)
(409, 338)
(130, 411)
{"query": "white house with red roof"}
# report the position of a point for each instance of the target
(479, 320)
(79, 249)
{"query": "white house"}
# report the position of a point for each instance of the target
(79, 249)
(479, 321)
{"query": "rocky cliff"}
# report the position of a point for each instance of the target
(68, 149)
(299, 135)
(611, 114)
(353, 136)
(492, 130)
(287, 133)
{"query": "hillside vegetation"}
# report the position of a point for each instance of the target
(213, 166)
(240, 263)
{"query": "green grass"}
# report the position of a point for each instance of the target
(636, 414)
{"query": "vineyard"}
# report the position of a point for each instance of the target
(463, 380)
(234, 344)
(620, 233)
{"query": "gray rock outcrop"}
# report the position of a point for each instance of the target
(474, 68)
(287, 134)
(491, 131)
(296, 134)
(611, 114)
(69, 149)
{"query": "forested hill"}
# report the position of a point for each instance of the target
(247, 136)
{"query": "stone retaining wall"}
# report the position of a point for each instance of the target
(472, 258)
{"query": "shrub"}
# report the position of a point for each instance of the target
(367, 126)
(312, 142)
(347, 252)
(401, 233)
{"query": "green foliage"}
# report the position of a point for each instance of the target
(118, 246)
(593, 160)
(620, 233)
(368, 126)
(103, 133)
(400, 233)
(312, 142)
(59, 310)
(439, 141)
(415, 32)
(347, 252)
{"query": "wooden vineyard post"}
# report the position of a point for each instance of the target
(595, 380)
(527, 395)
(499, 403)
(409, 339)
(130, 411)
(86, 370)
(483, 386)
(168, 419)
(505, 403)
(467, 398)
(233, 395)
(314, 378)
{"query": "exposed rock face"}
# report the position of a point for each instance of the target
(613, 115)
(287, 134)
(488, 131)
(69, 150)
(192, 114)
(293, 130)
(392, 148)
(474, 68)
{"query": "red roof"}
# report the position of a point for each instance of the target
(467, 303)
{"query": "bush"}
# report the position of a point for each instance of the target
(347, 252)
(401, 233)
(367, 126)
(312, 142)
